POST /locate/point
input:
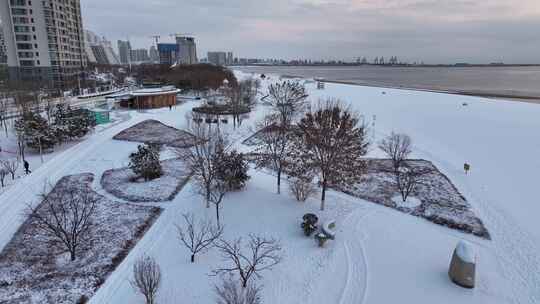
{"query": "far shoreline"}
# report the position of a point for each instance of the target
(487, 95)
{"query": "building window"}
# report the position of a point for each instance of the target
(18, 11)
(18, 2)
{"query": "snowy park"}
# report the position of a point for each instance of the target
(385, 247)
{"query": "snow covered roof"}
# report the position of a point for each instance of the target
(156, 91)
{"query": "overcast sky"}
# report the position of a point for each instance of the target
(434, 31)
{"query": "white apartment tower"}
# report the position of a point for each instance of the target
(44, 40)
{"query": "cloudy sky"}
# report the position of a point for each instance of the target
(434, 31)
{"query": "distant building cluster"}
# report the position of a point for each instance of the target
(220, 58)
(184, 51)
(99, 50)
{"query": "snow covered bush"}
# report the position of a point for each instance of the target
(145, 162)
(35, 132)
(302, 187)
(147, 278)
(232, 167)
(71, 123)
(230, 292)
(309, 223)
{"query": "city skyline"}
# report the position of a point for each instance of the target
(432, 31)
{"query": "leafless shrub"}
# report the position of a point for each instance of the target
(230, 292)
(66, 215)
(261, 254)
(408, 178)
(198, 236)
(302, 188)
(397, 147)
(147, 278)
(11, 166)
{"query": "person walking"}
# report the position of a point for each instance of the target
(27, 167)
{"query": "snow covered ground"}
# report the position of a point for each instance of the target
(380, 255)
(119, 182)
(34, 270)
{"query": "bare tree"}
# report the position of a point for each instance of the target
(3, 174)
(287, 99)
(202, 159)
(198, 236)
(262, 254)
(147, 278)
(331, 142)
(230, 292)
(273, 140)
(408, 178)
(66, 215)
(11, 166)
(397, 147)
(218, 189)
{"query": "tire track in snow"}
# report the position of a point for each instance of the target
(516, 252)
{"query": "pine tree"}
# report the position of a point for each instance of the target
(145, 162)
(232, 169)
(35, 131)
(70, 124)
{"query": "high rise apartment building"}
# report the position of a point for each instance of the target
(44, 40)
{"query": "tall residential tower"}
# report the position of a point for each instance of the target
(44, 40)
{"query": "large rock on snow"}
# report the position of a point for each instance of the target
(463, 265)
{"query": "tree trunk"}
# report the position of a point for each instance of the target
(72, 254)
(217, 215)
(323, 196)
(279, 181)
(193, 258)
(40, 149)
(207, 197)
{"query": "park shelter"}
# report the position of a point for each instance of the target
(150, 98)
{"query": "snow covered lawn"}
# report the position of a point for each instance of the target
(155, 132)
(122, 183)
(34, 270)
(441, 201)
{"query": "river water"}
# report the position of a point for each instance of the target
(516, 82)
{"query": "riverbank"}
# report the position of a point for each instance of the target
(489, 95)
(516, 83)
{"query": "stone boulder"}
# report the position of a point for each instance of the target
(463, 265)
